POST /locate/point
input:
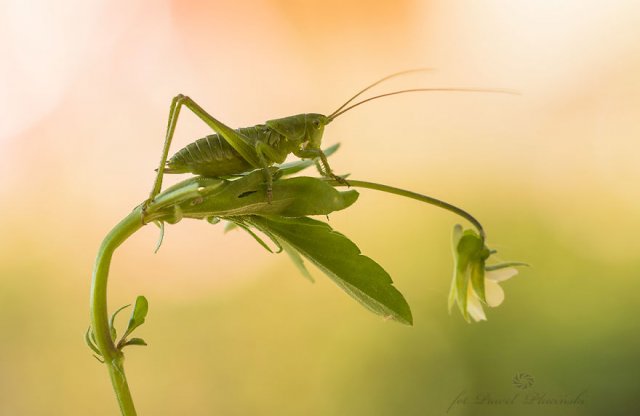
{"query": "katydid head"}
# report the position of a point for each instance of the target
(301, 129)
(315, 128)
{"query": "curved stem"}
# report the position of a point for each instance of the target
(113, 358)
(416, 196)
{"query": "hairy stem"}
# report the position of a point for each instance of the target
(113, 358)
(416, 196)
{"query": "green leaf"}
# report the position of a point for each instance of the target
(160, 225)
(297, 260)
(112, 327)
(185, 190)
(302, 196)
(477, 279)
(260, 241)
(134, 341)
(339, 258)
(453, 294)
(455, 240)
(211, 198)
(467, 254)
(292, 197)
(88, 339)
(462, 280)
(138, 315)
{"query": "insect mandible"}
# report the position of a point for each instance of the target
(231, 152)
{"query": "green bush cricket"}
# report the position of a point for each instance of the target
(231, 152)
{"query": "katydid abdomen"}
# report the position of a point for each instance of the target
(214, 157)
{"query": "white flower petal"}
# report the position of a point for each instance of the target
(474, 307)
(493, 293)
(501, 275)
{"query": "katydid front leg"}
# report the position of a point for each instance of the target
(318, 153)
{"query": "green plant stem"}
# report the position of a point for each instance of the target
(113, 358)
(416, 196)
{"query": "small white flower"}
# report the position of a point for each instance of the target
(474, 283)
(494, 295)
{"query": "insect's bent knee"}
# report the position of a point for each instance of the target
(179, 99)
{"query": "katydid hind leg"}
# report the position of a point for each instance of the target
(174, 112)
(240, 143)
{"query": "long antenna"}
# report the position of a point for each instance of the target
(342, 111)
(396, 74)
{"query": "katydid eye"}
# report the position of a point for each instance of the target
(316, 124)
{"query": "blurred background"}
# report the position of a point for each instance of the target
(552, 173)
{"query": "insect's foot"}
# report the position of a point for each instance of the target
(145, 206)
(340, 180)
(269, 195)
